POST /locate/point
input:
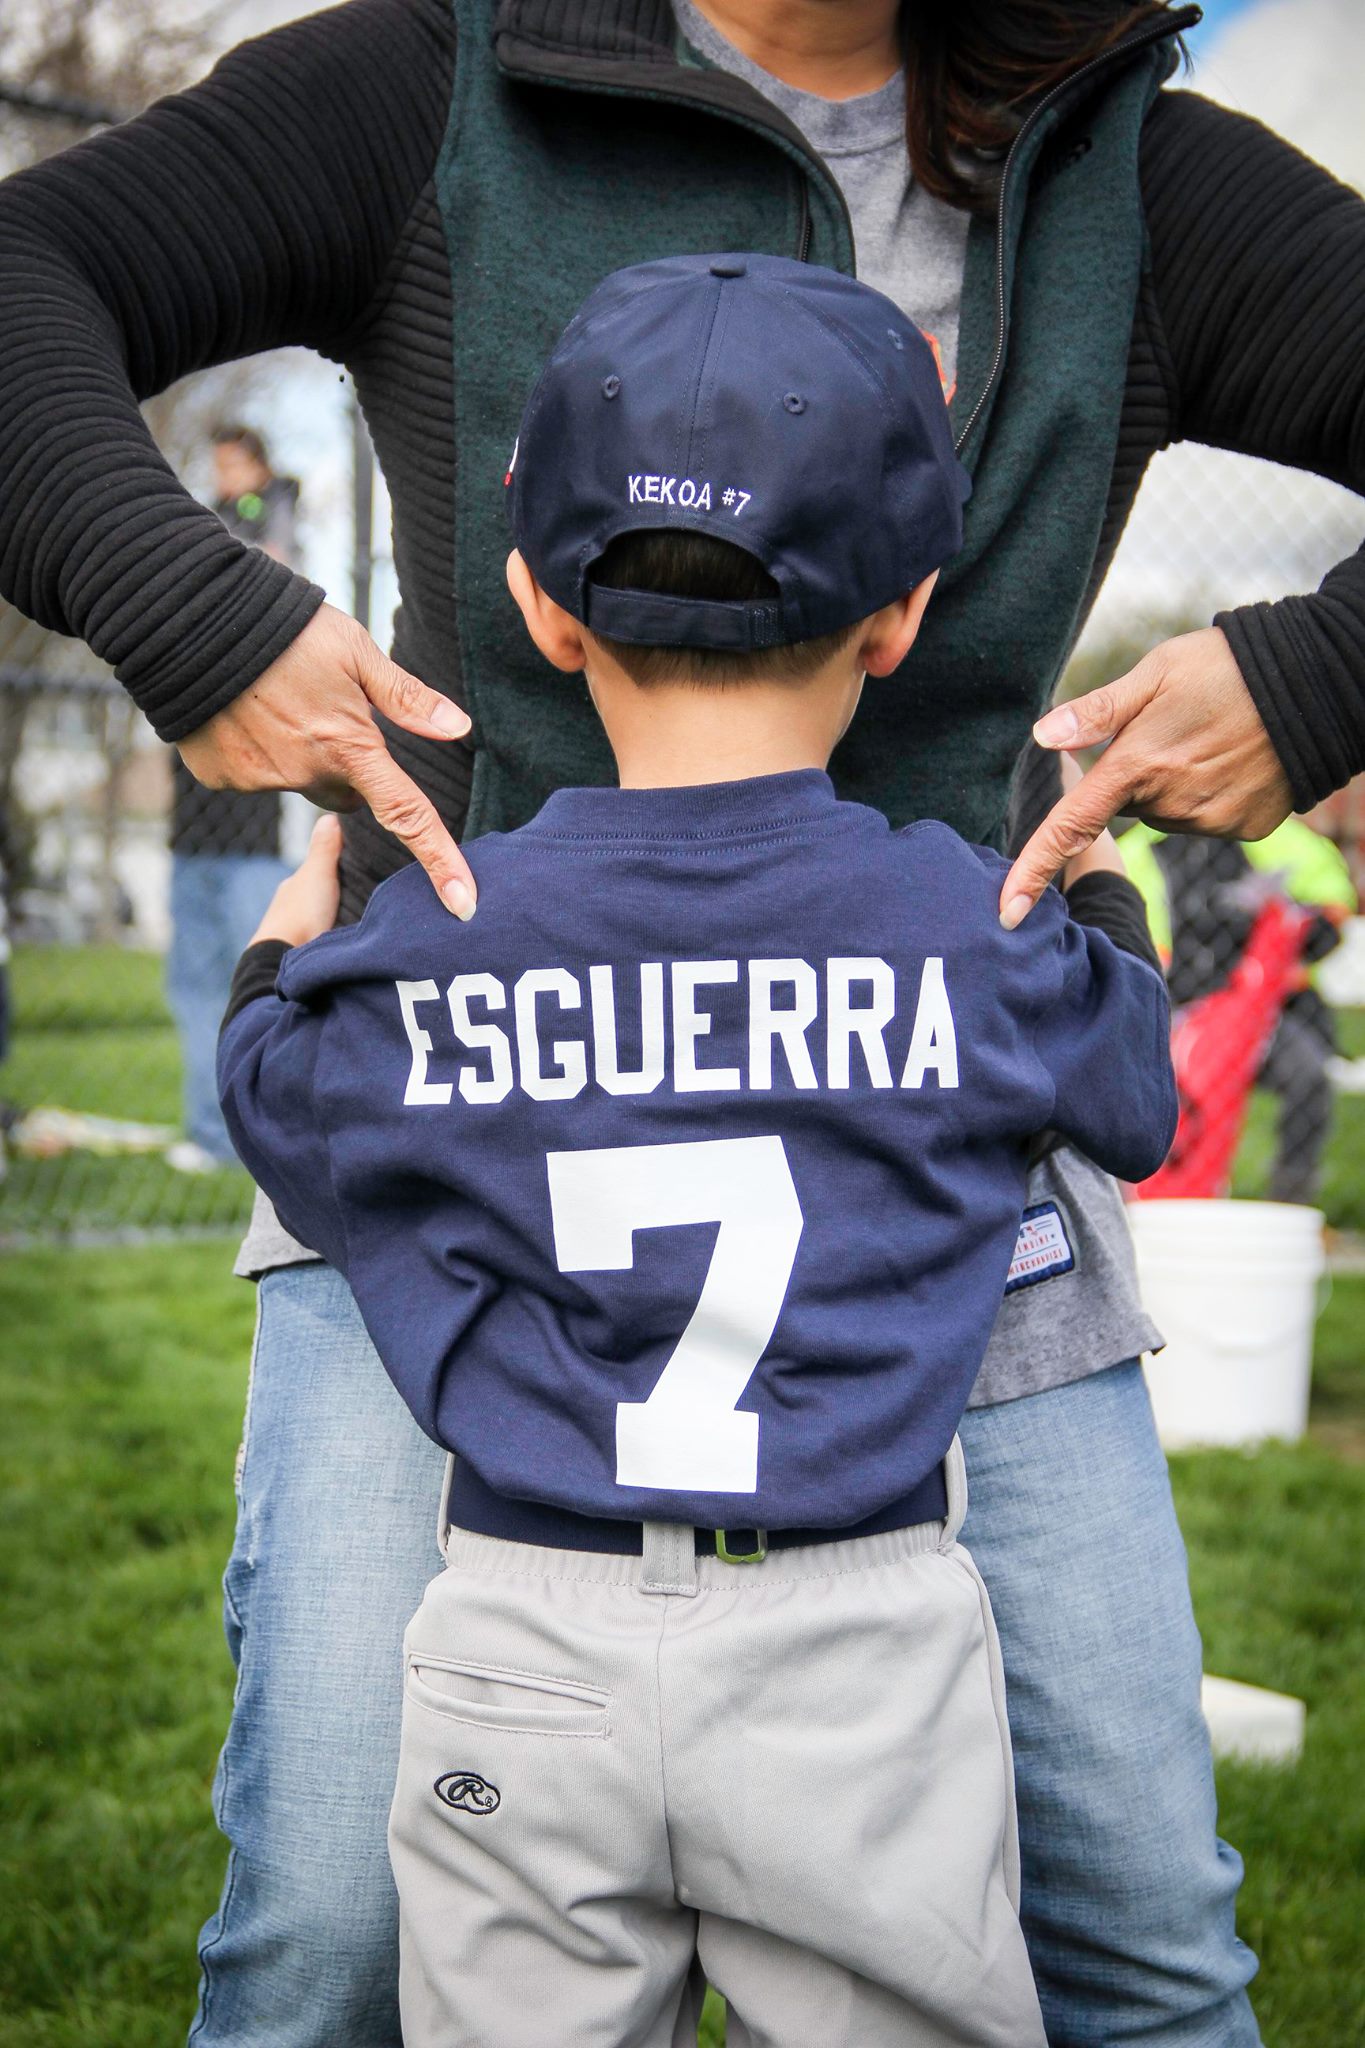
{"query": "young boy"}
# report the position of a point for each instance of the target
(678, 1191)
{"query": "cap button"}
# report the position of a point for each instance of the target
(729, 266)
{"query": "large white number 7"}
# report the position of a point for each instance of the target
(687, 1437)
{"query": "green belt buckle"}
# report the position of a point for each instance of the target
(728, 1556)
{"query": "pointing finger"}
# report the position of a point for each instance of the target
(1069, 827)
(400, 807)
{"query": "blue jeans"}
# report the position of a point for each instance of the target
(217, 900)
(1128, 1894)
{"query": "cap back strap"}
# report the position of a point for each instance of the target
(649, 618)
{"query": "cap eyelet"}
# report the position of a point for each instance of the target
(794, 402)
(610, 386)
(896, 340)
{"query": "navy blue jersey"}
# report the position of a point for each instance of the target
(682, 1183)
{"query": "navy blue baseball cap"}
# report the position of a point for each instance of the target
(774, 404)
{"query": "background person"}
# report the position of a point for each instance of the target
(225, 843)
(252, 502)
(1166, 268)
(1202, 896)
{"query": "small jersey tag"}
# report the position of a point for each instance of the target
(1042, 1248)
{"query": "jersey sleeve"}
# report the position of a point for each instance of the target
(1102, 1033)
(268, 1055)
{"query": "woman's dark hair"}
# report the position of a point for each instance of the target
(680, 563)
(974, 67)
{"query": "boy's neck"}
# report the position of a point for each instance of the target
(673, 736)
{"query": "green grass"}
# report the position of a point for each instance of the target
(92, 1032)
(1275, 1540)
(122, 1377)
(1342, 1197)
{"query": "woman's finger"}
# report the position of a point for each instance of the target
(1069, 827)
(1091, 720)
(401, 808)
(403, 699)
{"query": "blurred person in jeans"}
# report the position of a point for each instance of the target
(225, 844)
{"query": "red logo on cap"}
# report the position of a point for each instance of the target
(948, 389)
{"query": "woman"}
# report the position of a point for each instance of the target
(418, 188)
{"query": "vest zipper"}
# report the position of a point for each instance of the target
(1183, 18)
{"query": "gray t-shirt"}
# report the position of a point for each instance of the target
(1073, 1305)
(909, 244)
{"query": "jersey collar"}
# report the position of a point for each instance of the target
(708, 810)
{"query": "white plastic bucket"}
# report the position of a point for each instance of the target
(1233, 1287)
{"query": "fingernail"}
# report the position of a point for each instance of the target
(1015, 911)
(458, 898)
(451, 721)
(1058, 729)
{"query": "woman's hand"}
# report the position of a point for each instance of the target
(307, 723)
(1187, 752)
(305, 904)
(1101, 856)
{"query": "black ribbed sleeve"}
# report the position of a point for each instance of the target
(1258, 259)
(259, 209)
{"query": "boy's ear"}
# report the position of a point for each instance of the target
(892, 631)
(556, 632)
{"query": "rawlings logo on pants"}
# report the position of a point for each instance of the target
(468, 1792)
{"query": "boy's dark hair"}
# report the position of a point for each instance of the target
(231, 435)
(677, 563)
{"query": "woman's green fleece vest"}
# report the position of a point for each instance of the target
(552, 174)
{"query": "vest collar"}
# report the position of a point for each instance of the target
(528, 35)
(629, 46)
(528, 32)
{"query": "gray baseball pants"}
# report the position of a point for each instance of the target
(621, 1777)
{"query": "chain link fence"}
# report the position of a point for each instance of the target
(92, 1085)
(1264, 953)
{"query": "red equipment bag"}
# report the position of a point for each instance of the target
(1217, 1046)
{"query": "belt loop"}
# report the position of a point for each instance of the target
(669, 1560)
(443, 1511)
(955, 1480)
